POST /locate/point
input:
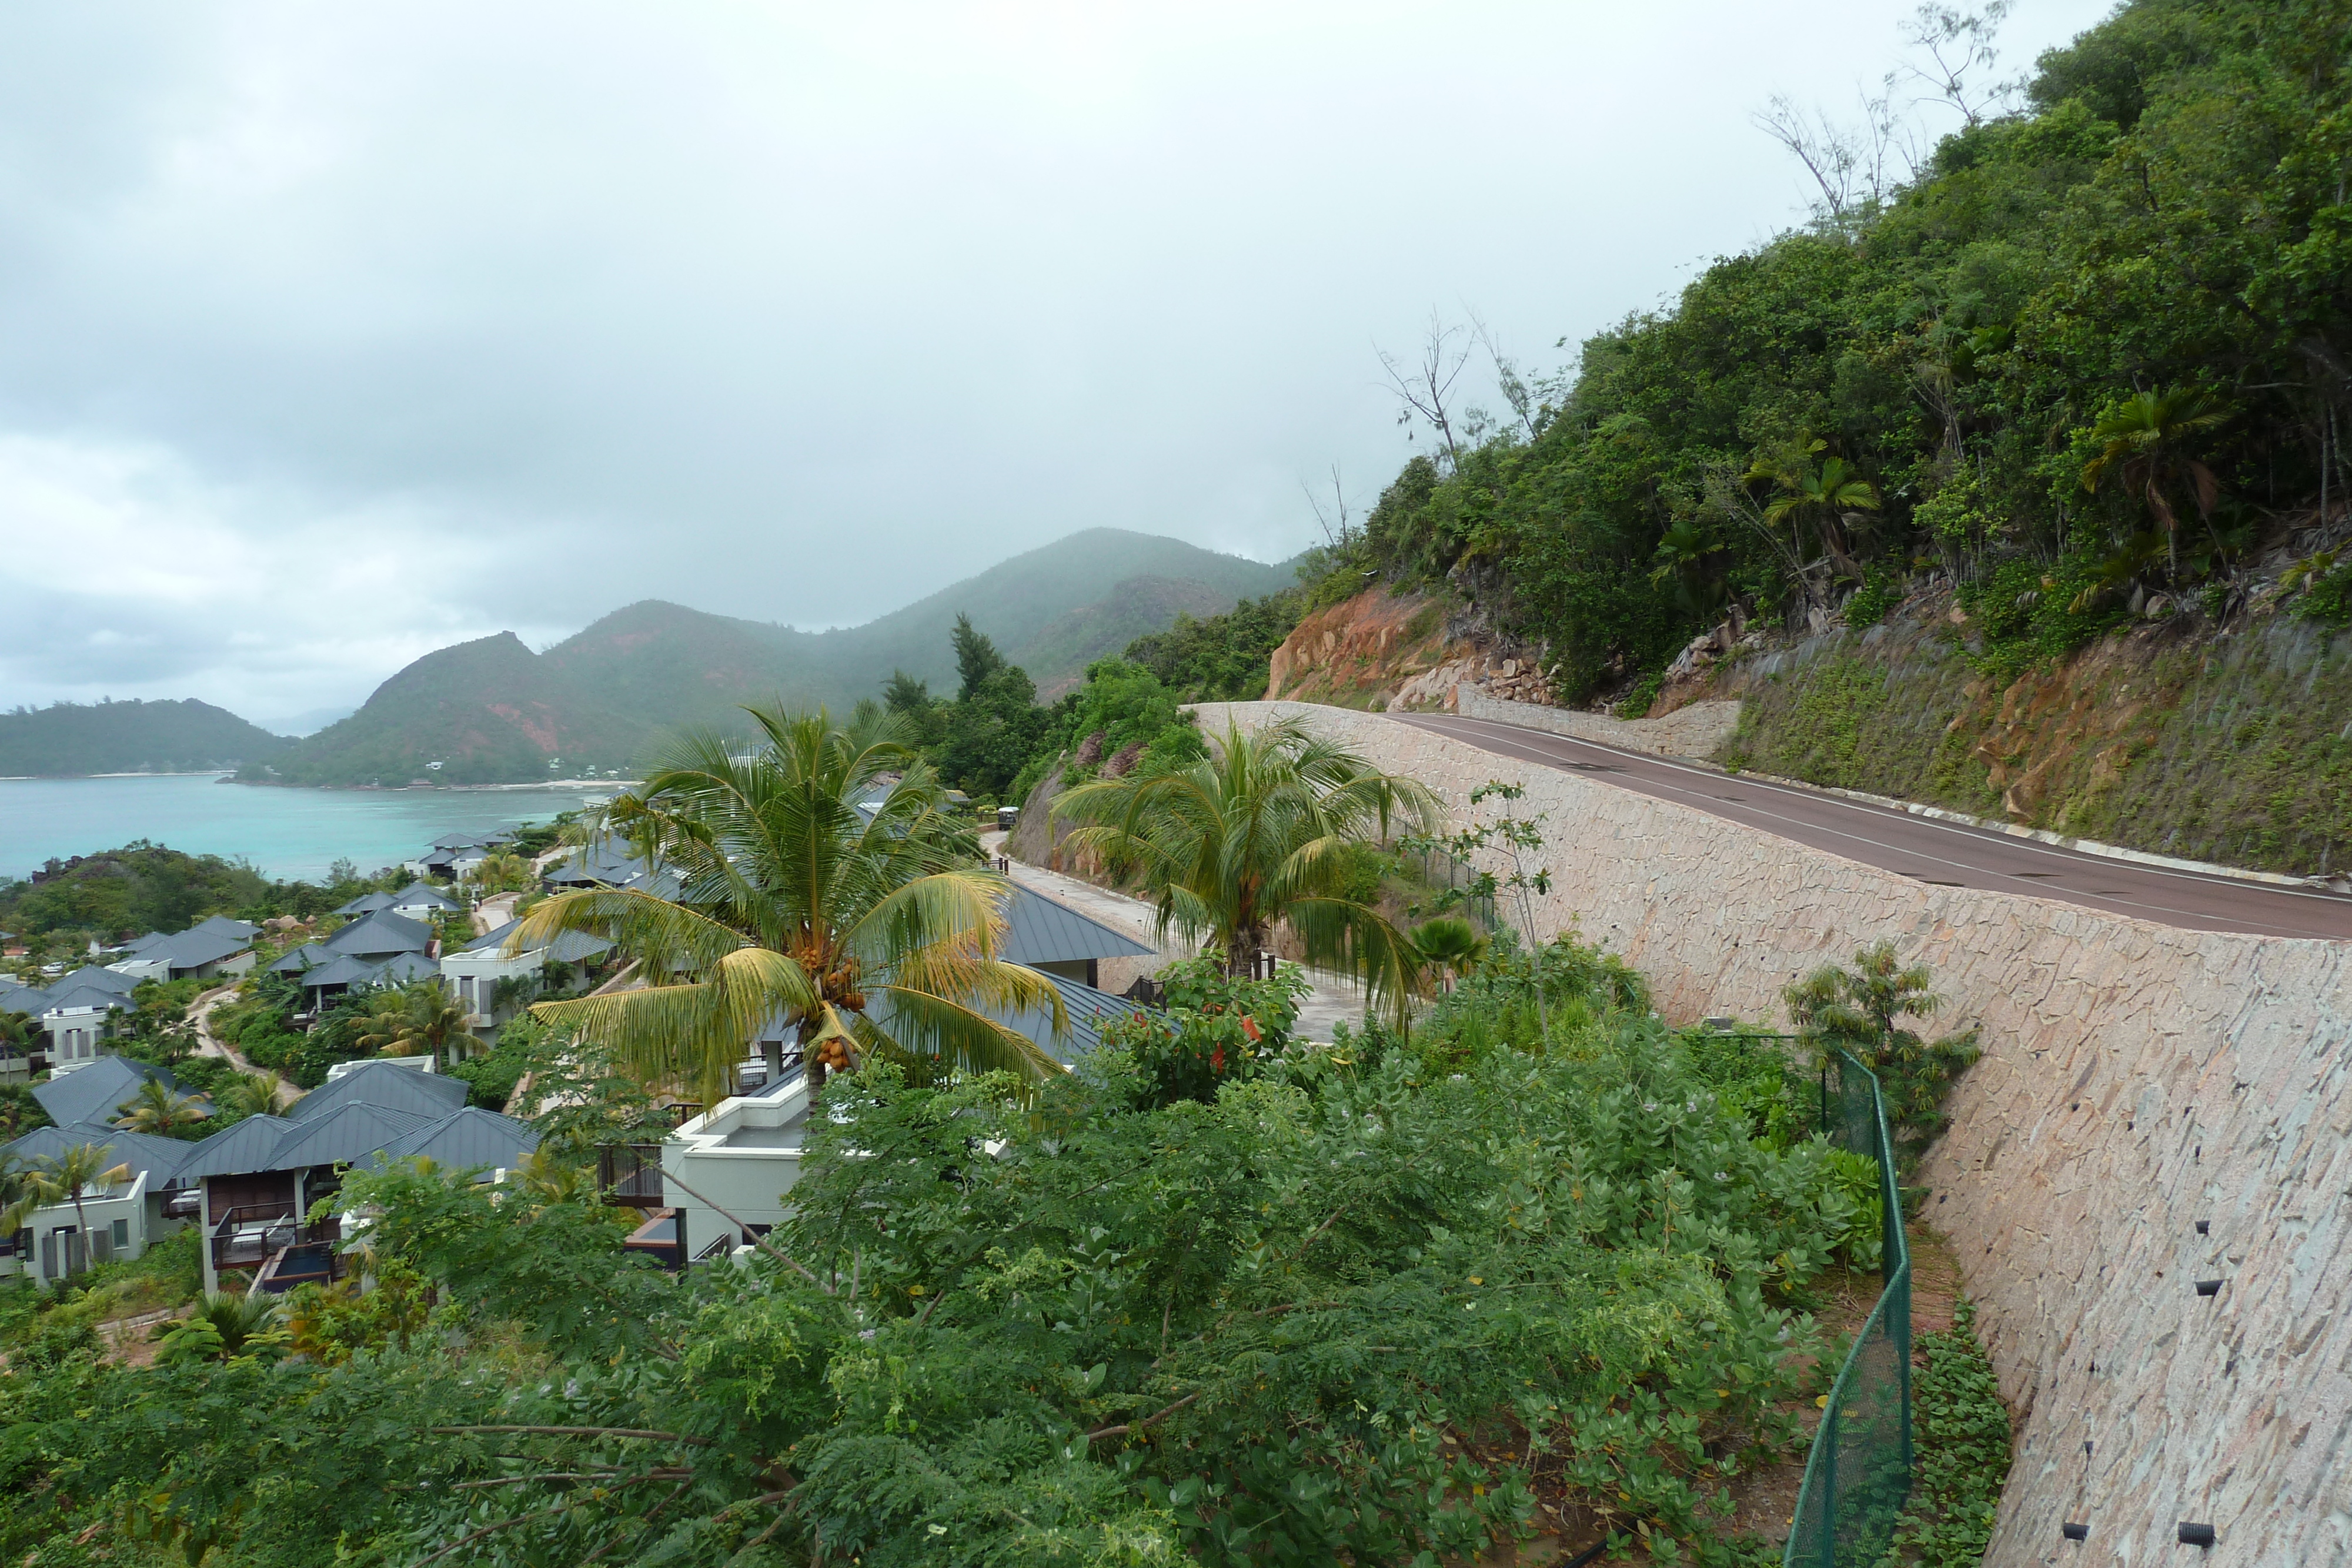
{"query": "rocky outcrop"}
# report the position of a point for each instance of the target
(2136, 1080)
(1411, 651)
(2230, 745)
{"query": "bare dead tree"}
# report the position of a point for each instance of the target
(1957, 49)
(1854, 164)
(1507, 379)
(1337, 524)
(1423, 389)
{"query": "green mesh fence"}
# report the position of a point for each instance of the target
(1860, 1472)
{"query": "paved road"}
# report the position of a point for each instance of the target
(1947, 854)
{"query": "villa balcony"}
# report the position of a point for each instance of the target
(630, 1174)
(250, 1237)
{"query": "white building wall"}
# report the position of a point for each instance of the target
(750, 1181)
(119, 1218)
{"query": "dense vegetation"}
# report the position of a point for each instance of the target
(493, 710)
(71, 740)
(2096, 353)
(124, 893)
(127, 891)
(1220, 1296)
(992, 739)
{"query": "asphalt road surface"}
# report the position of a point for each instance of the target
(1943, 854)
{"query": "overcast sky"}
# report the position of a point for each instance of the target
(331, 334)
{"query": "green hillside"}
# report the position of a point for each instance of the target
(2089, 367)
(74, 740)
(492, 711)
(1024, 603)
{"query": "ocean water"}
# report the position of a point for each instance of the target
(285, 833)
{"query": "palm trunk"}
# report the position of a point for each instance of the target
(81, 1224)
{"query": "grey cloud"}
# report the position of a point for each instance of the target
(799, 315)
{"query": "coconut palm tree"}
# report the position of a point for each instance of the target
(869, 937)
(1255, 834)
(158, 1108)
(18, 1198)
(1451, 944)
(2140, 444)
(248, 1094)
(80, 1172)
(504, 871)
(420, 1019)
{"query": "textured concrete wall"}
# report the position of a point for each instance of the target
(2136, 1080)
(1693, 731)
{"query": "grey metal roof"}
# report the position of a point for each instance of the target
(141, 944)
(64, 998)
(239, 1147)
(160, 1159)
(400, 970)
(606, 861)
(309, 956)
(92, 974)
(1085, 1009)
(356, 969)
(377, 1109)
(426, 1094)
(469, 1139)
(227, 926)
(569, 948)
(1037, 930)
(467, 841)
(380, 934)
(191, 949)
(90, 1093)
(366, 903)
(344, 1135)
(339, 969)
(418, 893)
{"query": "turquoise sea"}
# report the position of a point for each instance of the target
(285, 833)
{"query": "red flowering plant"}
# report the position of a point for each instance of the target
(1216, 1030)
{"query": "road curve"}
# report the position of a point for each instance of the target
(1945, 854)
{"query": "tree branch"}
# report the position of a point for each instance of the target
(757, 1240)
(1147, 1420)
(583, 1432)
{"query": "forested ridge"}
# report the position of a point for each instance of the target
(70, 739)
(2092, 358)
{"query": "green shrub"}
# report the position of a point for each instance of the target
(1216, 1030)
(1961, 1434)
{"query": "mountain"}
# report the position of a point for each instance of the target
(491, 711)
(67, 740)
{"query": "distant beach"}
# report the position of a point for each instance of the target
(293, 833)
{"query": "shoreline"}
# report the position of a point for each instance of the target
(228, 776)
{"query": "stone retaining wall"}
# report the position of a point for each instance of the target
(1693, 731)
(2137, 1078)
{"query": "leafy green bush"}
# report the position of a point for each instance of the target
(1880, 592)
(2326, 591)
(1216, 1030)
(1337, 1311)
(491, 1078)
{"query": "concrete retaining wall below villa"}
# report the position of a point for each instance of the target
(2137, 1078)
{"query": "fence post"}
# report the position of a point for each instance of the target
(1826, 1435)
